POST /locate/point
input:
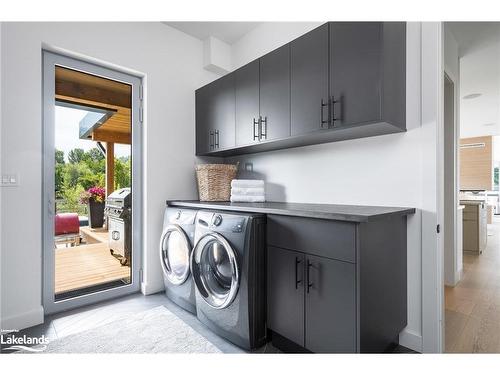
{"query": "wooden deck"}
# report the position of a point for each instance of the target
(85, 266)
(93, 235)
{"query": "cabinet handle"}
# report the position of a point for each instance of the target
(263, 129)
(216, 139)
(322, 120)
(211, 140)
(332, 117)
(297, 281)
(256, 131)
(308, 274)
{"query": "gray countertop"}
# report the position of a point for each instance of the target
(319, 211)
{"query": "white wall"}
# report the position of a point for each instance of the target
(171, 62)
(267, 37)
(480, 73)
(452, 252)
(385, 170)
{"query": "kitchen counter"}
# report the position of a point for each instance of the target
(476, 202)
(357, 214)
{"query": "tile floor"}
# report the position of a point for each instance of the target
(472, 315)
(81, 319)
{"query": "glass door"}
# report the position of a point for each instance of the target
(91, 171)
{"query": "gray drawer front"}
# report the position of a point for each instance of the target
(327, 238)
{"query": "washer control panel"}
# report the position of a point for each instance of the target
(217, 220)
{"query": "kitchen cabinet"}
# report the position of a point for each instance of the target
(222, 103)
(355, 72)
(309, 82)
(204, 123)
(330, 305)
(336, 286)
(215, 116)
(342, 80)
(285, 296)
(246, 86)
(275, 94)
(475, 227)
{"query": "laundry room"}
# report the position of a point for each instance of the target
(262, 186)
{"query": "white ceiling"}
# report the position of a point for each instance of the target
(479, 50)
(228, 32)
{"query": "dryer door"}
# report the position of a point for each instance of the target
(175, 250)
(214, 266)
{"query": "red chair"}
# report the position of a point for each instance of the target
(67, 229)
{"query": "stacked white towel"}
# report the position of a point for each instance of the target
(250, 191)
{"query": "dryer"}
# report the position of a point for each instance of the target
(176, 245)
(228, 270)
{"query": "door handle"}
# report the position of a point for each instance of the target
(333, 117)
(308, 275)
(322, 120)
(256, 133)
(115, 235)
(263, 129)
(216, 139)
(297, 281)
(212, 140)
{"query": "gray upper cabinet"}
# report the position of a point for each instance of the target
(222, 109)
(309, 81)
(368, 73)
(275, 94)
(204, 131)
(342, 80)
(394, 73)
(355, 72)
(215, 116)
(246, 87)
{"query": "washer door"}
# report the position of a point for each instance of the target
(175, 250)
(215, 270)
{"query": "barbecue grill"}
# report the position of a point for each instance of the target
(118, 210)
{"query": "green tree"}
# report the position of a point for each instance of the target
(59, 157)
(59, 171)
(122, 173)
(76, 155)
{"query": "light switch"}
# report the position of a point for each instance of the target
(10, 180)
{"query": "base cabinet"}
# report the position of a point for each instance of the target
(334, 286)
(330, 305)
(285, 293)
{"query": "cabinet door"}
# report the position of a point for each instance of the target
(330, 306)
(309, 81)
(203, 121)
(246, 86)
(355, 72)
(285, 293)
(222, 102)
(275, 94)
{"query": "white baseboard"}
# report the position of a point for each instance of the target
(24, 320)
(411, 340)
(148, 289)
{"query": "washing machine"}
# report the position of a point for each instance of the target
(228, 269)
(176, 245)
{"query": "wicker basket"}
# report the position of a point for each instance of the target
(214, 181)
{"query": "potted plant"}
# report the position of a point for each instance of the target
(94, 199)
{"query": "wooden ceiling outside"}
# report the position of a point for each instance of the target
(86, 89)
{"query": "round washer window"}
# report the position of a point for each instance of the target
(174, 253)
(215, 270)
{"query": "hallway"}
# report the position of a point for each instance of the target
(472, 312)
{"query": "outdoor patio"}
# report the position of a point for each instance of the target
(87, 265)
